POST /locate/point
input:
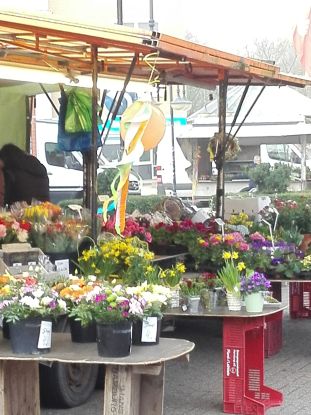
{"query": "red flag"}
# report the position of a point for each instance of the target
(302, 43)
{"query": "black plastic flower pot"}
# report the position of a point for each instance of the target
(82, 334)
(114, 339)
(139, 339)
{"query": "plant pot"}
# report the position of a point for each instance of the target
(194, 304)
(114, 339)
(82, 334)
(254, 302)
(5, 329)
(208, 299)
(25, 336)
(234, 302)
(147, 331)
(71, 256)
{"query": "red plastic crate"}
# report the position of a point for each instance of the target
(273, 334)
(300, 299)
(243, 368)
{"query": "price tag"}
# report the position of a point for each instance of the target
(45, 336)
(17, 264)
(33, 263)
(184, 307)
(62, 265)
(149, 330)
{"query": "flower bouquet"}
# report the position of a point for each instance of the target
(13, 230)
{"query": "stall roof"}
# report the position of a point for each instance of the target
(53, 45)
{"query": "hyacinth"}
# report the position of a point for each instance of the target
(254, 283)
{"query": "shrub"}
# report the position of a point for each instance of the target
(271, 179)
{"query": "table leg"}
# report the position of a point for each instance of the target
(243, 368)
(134, 390)
(19, 387)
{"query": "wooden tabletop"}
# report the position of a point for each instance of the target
(65, 351)
(224, 312)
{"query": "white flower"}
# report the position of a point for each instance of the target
(46, 300)
(22, 235)
(75, 287)
(92, 278)
(38, 292)
(62, 304)
(32, 303)
(135, 307)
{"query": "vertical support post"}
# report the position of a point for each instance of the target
(173, 141)
(120, 12)
(220, 191)
(93, 152)
(151, 19)
(303, 143)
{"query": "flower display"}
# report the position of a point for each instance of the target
(147, 300)
(42, 211)
(117, 257)
(132, 228)
(254, 283)
(29, 297)
(230, 274)
(192, 287)
(241, 218)
(63, 235)
(111, 305)
(13, 230)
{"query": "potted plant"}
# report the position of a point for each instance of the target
(191, 292)
(230, 278)
(113, 327)
(253, 287)
(78, 294)
(125, 257)
(28, 307)
(146, 306)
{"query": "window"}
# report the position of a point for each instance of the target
(59, 158)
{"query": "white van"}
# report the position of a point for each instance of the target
(64, 168)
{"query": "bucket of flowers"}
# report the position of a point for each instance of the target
(78, 293)
(147, 302)
(253, 287)
(116, 256)
(113, 326)
(29, 306)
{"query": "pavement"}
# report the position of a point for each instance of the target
(195, 388)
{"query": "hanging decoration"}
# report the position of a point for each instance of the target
(216, 150)
(142, 128)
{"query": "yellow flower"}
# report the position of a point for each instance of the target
(180, 267)
(226, 255)
(235, 255)
(241, 266)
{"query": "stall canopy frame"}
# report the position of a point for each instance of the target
(52, 45)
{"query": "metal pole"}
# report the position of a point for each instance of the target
(151, 19)
(220, 191)
(303, 143)
(173, 141)
(93, 152)
(119, 12)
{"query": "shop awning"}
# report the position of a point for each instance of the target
(64, 47)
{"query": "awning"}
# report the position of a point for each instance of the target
(65, 47)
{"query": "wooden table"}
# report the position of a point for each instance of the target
(134, 385)
(244, 391)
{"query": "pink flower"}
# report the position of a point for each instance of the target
(2, 231)
(243, 246)
(257, 237)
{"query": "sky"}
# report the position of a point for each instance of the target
(227, 25)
